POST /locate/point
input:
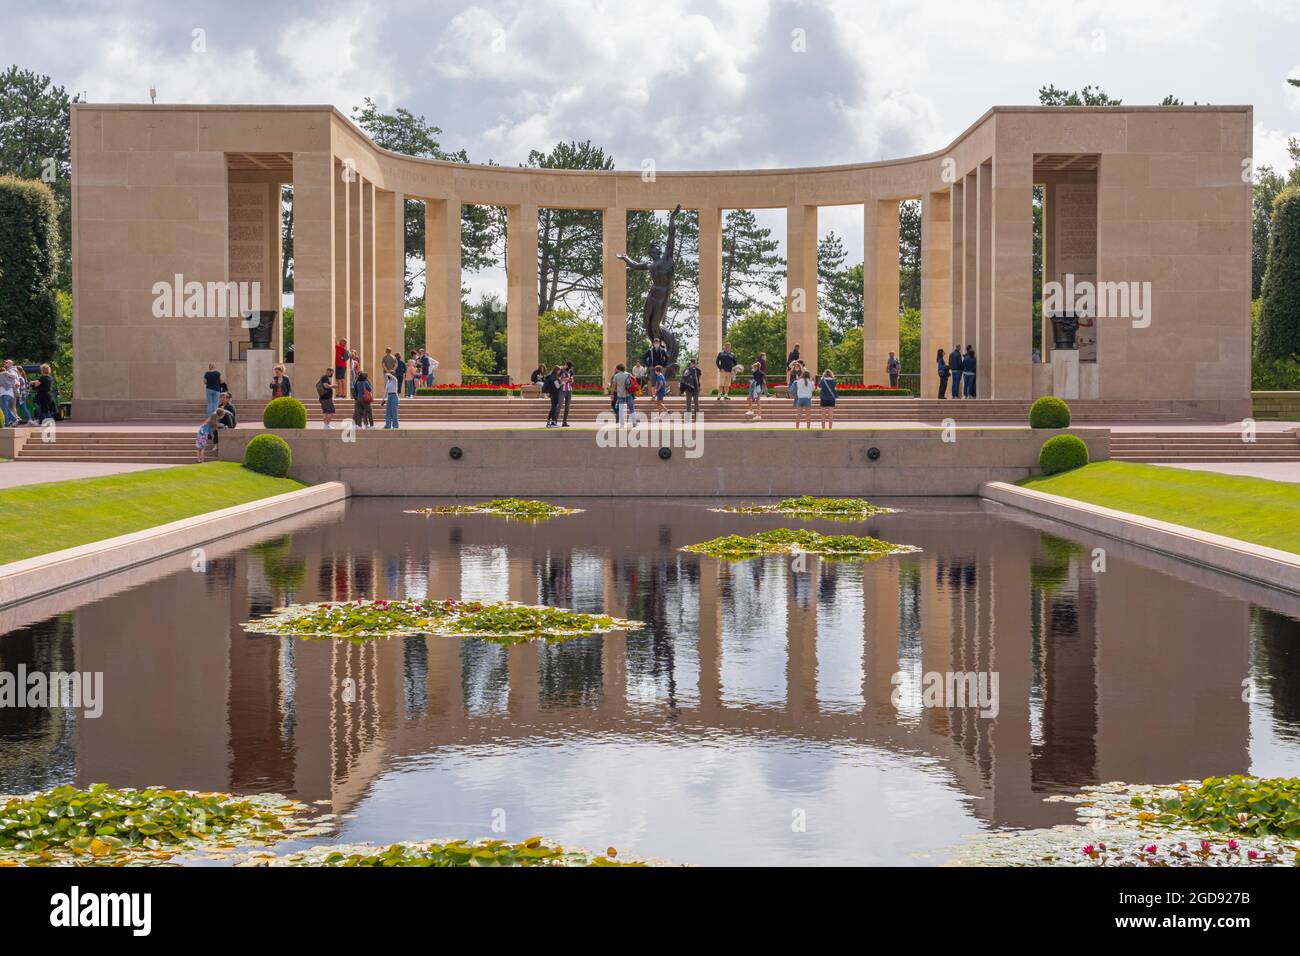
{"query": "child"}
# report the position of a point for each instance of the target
(206, 433)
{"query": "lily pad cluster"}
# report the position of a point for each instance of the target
(1206, 823)
(738, 547)
(503, 622)
(519, 508)
(448, 853)
(850, 509)
(104, 826)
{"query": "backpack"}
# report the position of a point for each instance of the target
(632, 386)
(320, 389)
(548, 385)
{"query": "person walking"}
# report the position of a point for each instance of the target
(325, 392)
(968, 372)
(942, 368)
(726, 364)
(7, 394)
(955, 369)
(551, 389)
(624, 388)
(341, 359)
(281, 387)
(827, 396)
(803, 392)
(212, 386)
(660, 389)
(22, 393)
(363, 397)
(757, 385)
(566, 390)
(390, 398)
(45, 406)
(892, 368)
(690, 387)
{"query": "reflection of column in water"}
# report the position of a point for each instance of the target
(613, 647)
(1013, 798)
(934, 613)
(880, 635)
(712, 574)
(801, 639)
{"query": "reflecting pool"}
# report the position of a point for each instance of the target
(773, 711)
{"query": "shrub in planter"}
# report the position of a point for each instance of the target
(268, 455)
(1062, 453)
(285, 412)
(1049, 412)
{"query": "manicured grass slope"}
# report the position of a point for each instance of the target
(64, 514)
(1250, 509)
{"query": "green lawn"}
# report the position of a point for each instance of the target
(63, 514)
(1251, 509)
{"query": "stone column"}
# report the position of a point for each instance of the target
(521, 280)
(342, 320)
(879, 288)
(958, 259)
(1011, 279)
(983, 343)
(313, 266)
(971, 268)
(442, 287)
(936, 284)
(710, 296)
(356, 308)
(613, 293)
(800, 288)
(390, 269)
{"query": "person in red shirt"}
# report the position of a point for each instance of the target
(341, 361)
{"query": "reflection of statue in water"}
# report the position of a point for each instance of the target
(660, 266)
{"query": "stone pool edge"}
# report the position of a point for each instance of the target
(45, 573)
(1270, 566)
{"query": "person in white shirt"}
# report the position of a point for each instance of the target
(803, 392)
(8, 387)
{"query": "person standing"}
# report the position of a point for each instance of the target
(390, 398)
(942, 368)
(212, 386)
(7, 394)
(623, 386)
(789, 361)
(690, 386)
(566, 390)
(551, 389)
(400, 370)
(325, 392)
(341, 358)
(968, 372)
(827, 396)
(955, 369)
(45, 407)
(803, 391)
(412, 375)
(660, 389)
(726, 365)
(757, 385)
(363, 397)
(281, 387)
(892, 368)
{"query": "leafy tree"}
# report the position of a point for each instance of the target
(1268, 183)
(30, 252)
(1270, 374)
(36, 143)
(476, 356)
(488, 319)
(286, 238)
(1279, 301)
(761, 329)
(564, 334)
(1088, 96)
(909, 254)
(843, 357)
(909, 341)
(839, 299)
(569, 241)
(751, 269)
(404, 132)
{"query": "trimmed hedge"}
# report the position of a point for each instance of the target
(286, 412)
(268, 455)
(30, 253)
(1049, 412)
(1279, 296)
(1062, 453)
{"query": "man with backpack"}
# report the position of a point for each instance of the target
(551, 389)
(690, 387)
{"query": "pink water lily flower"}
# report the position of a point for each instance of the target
(1232, 846)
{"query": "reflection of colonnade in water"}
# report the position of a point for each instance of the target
(1088, 686)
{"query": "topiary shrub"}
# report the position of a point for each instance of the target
(268, 455)
(1049, 412)
(285, 413)
(30, 253)
(1062, 453)
(1279, 296)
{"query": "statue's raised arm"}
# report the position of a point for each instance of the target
(672, 231)
(634, 264)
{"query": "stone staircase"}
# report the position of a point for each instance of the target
(144, 447)
(776, 408)
(1209, 446)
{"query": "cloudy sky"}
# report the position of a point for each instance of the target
(690, 84)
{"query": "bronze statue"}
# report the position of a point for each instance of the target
(660, 266)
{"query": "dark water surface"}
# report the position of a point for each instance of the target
(751, 723)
